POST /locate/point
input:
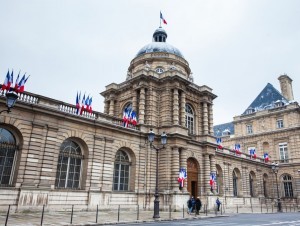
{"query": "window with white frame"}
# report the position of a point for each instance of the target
(249, 129)
(283, 152)
(279, 123)
(159, 70)
(69, 165)
(121, 171)
(287, 185)
(189, 118)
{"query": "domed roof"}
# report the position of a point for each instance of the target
(159, 44)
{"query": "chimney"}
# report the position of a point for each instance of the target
(286, 87)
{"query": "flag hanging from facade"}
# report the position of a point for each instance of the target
(181, 177)
(219, 143)
(252, 153)
(129, 117)
(6, 81)
(266, 157)
(212, 180)
(162, 18)
(237, 149)
(84, 104)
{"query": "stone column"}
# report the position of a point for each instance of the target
(134, 100)
(245, 182)
(205, 118)
(182, 108)
(111, 107)
(175, 168)
(183, 164)
(211, 120)
(206, 173)
(142, 106)
(175, 107)
(106, 107)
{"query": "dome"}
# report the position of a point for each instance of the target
(159, 44)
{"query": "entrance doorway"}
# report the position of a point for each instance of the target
(192, 177)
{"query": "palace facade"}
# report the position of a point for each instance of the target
(52, 156)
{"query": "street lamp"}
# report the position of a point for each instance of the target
(275, 168)
(11, 98)
(151, 136)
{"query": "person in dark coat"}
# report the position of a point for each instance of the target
(218, 204)
(190, 204)
(198, 205)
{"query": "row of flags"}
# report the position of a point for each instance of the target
(84, 104)
(181, 177)
(129, 117)
(18, 86)
(237, 150)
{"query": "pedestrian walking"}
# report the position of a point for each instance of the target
(198, 205)
(190, 204)
(218, 204)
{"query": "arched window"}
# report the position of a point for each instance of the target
(69, 165)
(8, 150)
(287, 185)
(251, 185)
(121, 171)
(265, 181)
(235, 189)
(189, 118)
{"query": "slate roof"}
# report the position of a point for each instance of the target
(223, 129)
(267, 99)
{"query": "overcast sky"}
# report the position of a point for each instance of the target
(235, 47)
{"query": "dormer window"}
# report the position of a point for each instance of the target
(278, 103)
(250, 111)
(159, 70)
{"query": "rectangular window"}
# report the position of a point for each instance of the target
(249, 129)
(279, 123)
(283, 152)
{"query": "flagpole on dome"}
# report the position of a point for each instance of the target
(160, 19)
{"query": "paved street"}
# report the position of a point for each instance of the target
(271, 219)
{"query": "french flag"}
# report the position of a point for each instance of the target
(219, 143)
(21, 85)
(133, 116)
(17, 83)
(212, 180)
(266, 157)
(82, 105)
(237, 148)
(162, 18)
(253, 153)
(6, 81)
(90, 105)
(10, 81)
(181, 177)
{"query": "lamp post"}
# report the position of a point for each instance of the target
(11, 98)
(275, 168)
(151, 136)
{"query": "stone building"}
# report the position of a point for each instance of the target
(271, 124)
(52, 156)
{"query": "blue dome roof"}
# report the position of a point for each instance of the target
(164, 47)
(159, 44)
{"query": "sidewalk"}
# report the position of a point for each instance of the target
(105, 217)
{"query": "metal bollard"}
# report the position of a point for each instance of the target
(267, 208)
(138, 212)
(290, 208)
(72, 214)
(285, 208)
(261, 207)
(7, 215)
(221, 209)
(119, 213)
(42, 218)
(170, 216)
(237, 208)
(182, 211)
(97, 215)
(272, 208)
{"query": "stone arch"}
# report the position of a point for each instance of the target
(237, 182)
(220, 180)
(265, 185)
(129, 167)
(252, 184)
(192, 176)
(190, 118)
(15, 147)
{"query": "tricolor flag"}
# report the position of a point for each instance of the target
(237, 148)
(219, 143)
(6, 81)
(133, 116)
(212, 180)
(252, 153)
(82, 107)
(162, 18)
(181, 177)
(90, 105)
(78, 103)
(21, 85)
(17, 82)
(266, 157)
(10, 81)
(87, 103)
